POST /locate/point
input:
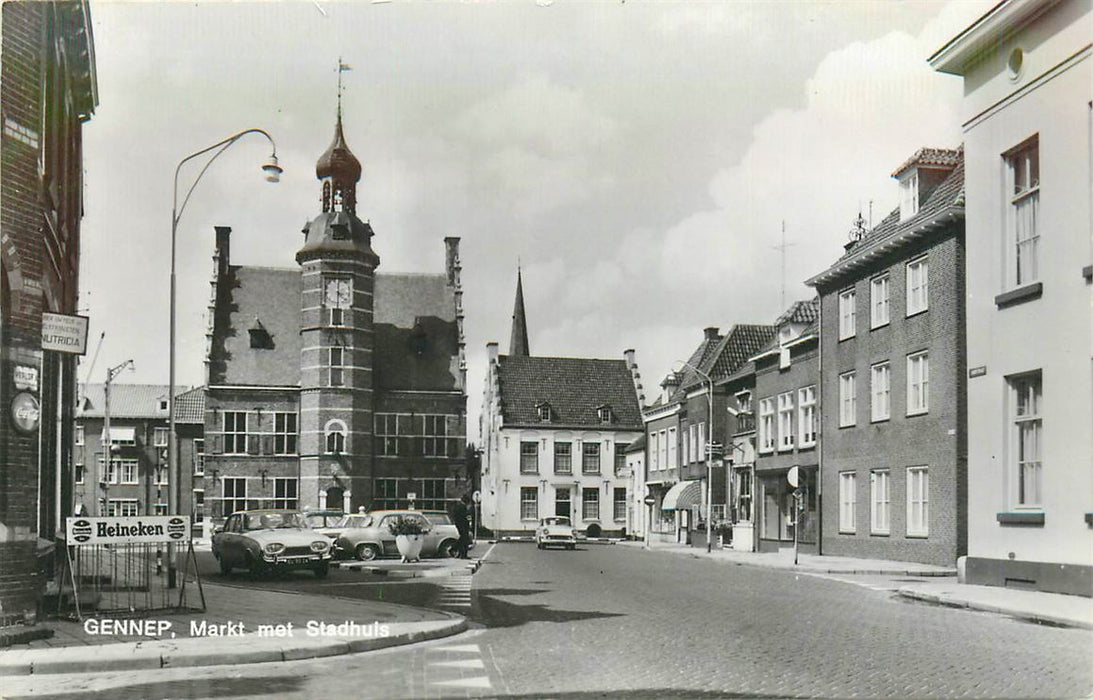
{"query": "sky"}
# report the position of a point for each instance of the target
(638, 161)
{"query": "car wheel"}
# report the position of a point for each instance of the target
(448, 549)
(321, 570)
(225, 565)
(367, 552)
(540, 545)
(255, 566)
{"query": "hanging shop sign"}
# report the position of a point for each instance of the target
(64, 333)
(127, 530)
(25, 412)
(26, 377)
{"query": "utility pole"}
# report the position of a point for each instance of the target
(107, 443)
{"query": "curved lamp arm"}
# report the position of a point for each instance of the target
(270, 168)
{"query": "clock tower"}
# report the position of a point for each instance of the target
(338, 269)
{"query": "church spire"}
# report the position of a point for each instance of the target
(518, 344)
(338, 168)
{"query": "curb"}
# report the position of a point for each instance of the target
(957, 602)
(167, 654)
(442, 572)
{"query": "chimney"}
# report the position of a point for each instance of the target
(635, 375)
(711, 333)
(491, 352)
(223, 250)
(451, 260)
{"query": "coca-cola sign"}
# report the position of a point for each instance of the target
(25, 412)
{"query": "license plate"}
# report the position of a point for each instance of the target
(297, 560)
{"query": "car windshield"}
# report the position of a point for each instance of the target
(357, 521)
(325, 520)
(438, 518)
(556, 521)
(269, 521)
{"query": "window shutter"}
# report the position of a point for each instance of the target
(218, 444)
(267, 444)
(252, 444)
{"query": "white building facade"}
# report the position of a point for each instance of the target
(1028, 119)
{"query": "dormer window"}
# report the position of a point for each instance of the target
(908, 194)
(544, 411)
(604, 413)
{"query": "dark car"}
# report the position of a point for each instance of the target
(270, 540)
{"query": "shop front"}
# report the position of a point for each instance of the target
(785, 511)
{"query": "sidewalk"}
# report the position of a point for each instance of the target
(935, 584)
(426, 568)
(241, 625)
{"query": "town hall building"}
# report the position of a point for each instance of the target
(332, 385)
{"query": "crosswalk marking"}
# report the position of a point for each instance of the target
(461, 648)
(455, 592)
(480, 682)
(461, 663)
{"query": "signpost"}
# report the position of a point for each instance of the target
(64, 333)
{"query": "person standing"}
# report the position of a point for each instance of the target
(461, 516)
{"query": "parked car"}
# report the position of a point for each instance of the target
(372, 537)
(441, 517)
(270, 540)
(555, 531)
(328, 522)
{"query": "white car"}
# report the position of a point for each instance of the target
(555, 531)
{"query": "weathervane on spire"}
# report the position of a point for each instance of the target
(342, 67)
(858, 230)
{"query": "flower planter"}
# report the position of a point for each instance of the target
(409, 546)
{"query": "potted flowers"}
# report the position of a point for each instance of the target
(409, 537)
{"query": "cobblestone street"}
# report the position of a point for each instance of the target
(607, 621)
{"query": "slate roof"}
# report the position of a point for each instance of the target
(932, 157)
(637, 445)
(190, 406)
(406, 308)
(574, 388)
(726, 355)
(801, 312)
(126, 400)
(946, 202)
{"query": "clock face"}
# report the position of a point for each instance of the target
(339, 293)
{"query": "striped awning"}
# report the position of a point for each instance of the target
(682, 496)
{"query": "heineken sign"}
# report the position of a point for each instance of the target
(114, 530)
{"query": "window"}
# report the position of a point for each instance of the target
(562, 503)
(806, 415)
(389, 444)
(286, 493)
(199, 505)
(847, 401)
(235, 432)
(605, 414)
(847, 300)
(544, 412)
(235, 494)
(908, 195)
(620, 505)
(1026, 438)
(563, 458)
(701, 442)
(620, 457)
(673, 452)
(435, 441)
(529, 503)
(654, 451)
(590, 458)
(386, 494)
(918, 501)
(663, 442)
(743, 495)
(692, 437)
(529, 457)
(284, 433)
(199, 457)
(918, 286)
(745, 421)
(879, 503)
(336, 363)
(159, 437)
(766, 425)
(880, 392)
(123, 508)
(590, 504)
(848, 498)
(433, 494)
(878, 302)
(78, 473)
(335, 437)
(159, 509)
(162, 476)
(129, 471)
(79, 435)
(918, 383)
(1023, 233)
(785, 421)
(109, 475)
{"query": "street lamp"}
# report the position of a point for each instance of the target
(273, 174)
(709, 456)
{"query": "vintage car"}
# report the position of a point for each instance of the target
(328, 522)
(372, 537)
(555, 531)
(270, 540)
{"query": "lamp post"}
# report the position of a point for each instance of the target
(273, 174)
(709, 456)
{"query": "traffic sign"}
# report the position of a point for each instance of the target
(477, 497)
(793, 477)
(649, 500)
